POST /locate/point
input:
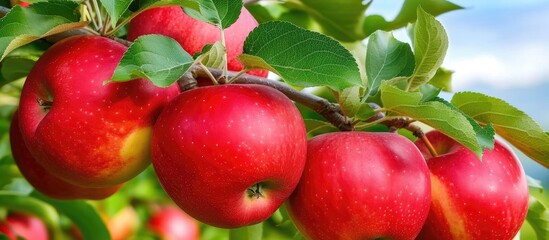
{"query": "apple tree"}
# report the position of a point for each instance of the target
(229, 119)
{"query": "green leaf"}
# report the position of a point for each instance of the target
(212, 55)
(365, 112)
(538, 218)
(407, 15)
(433, 7)
(264, 13)
(253, 232)
(316, 127)
(435, 114)
(147, 4)
(24, 25)
(430, 45)
(339, 19)
(299, 18)
(301, 57)
(221, 13)
(442, 79)
(14, 68)
(534, 184)
(349, 99)
(428, 92)
(21, 203)
(485, 135)
(509, 122)
(386, 58)
(115, 9)
(158, 58)
(82, 214)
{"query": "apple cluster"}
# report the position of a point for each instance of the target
(231, 155)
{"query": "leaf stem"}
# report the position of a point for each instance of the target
(89, 11)
(122, 24)
(106, 26)
(98, 14)
(237, 75)
(208, 73)
(225, 59)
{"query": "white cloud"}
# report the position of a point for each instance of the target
(522, 65)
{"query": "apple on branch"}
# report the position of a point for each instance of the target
(194, 34)
(84, 131)
(473, 199)
(360, 185)
(229, 155)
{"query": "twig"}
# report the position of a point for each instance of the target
(328, 110)
(407, 124)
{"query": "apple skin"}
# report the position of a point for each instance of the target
(194, 34)
(361, 185)
(25, 226)
(41, 179)
(170, 223)
(211, 144)
(473, 199)
(94, 134)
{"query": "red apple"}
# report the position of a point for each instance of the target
(473, 199)
(24, 4)
(360, 185)
(123, 224)
(42, 180)
(193, 34)
(86, 132)
(25, 226)
(170, 223)
(229, 155)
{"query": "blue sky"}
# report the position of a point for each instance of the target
(500, 48)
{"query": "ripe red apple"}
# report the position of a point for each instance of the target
(473, 199)
(170, 223)
(229, 155)
(360, 185)
(42, 180)
(25, 226)
(86, 132)
(193, 34)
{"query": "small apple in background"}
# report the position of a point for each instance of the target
(86, 132)
(194, 34)
(170, 223)
(28, 227)
(42, 180)
(474, 199)
(361, 185)
(229, 155)
(123, 224)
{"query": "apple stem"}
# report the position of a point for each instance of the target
(429, 146)
(255, 192)
(44, 103)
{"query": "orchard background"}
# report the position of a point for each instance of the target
(492, 43)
